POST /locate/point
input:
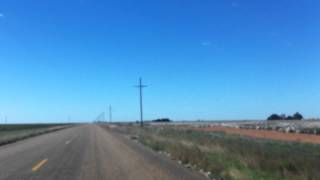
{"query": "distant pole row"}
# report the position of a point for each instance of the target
(140, 86)
(5, 119)
(110, 114)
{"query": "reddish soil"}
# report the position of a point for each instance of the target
(266, 134)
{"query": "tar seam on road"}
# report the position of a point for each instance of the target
(39, 165)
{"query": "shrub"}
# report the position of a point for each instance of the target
(274, 117)
(162, 120)
(297, 116)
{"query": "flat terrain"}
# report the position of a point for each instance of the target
(274, 135)
(13, 133)
(232, 154)
(85, 152)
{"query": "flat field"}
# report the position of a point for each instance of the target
(14, 132)
(274, 135)
(221, 155)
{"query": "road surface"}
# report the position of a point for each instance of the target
(86, 152)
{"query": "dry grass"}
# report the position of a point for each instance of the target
(232, 156)
(13, 133)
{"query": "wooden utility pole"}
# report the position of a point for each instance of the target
(141, 86)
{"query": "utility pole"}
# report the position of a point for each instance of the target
(110, 114)
(141, 86)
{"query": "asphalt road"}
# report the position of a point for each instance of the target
(86, 152)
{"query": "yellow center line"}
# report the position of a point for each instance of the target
(69, 141)
(39, 165)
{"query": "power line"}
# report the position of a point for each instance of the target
(141, 86)
(100, 118)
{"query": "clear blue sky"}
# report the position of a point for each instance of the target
(202, 59)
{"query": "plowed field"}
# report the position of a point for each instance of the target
(266, 134)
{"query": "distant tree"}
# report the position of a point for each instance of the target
(274, 117)
(283, 116)
(289, 118)
(162, 120)
(297, 116)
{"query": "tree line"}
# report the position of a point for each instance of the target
(295, 116)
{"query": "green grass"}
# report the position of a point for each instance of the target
(231, 156)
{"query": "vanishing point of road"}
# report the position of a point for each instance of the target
(86, 152)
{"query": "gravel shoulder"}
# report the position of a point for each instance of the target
(134, 161)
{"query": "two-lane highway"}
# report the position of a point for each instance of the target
(86, 153)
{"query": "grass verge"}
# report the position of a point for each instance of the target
(13, 133)
(227, 156)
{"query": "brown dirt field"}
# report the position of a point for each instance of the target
(266, 134)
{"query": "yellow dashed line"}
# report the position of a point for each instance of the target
(39, 165)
